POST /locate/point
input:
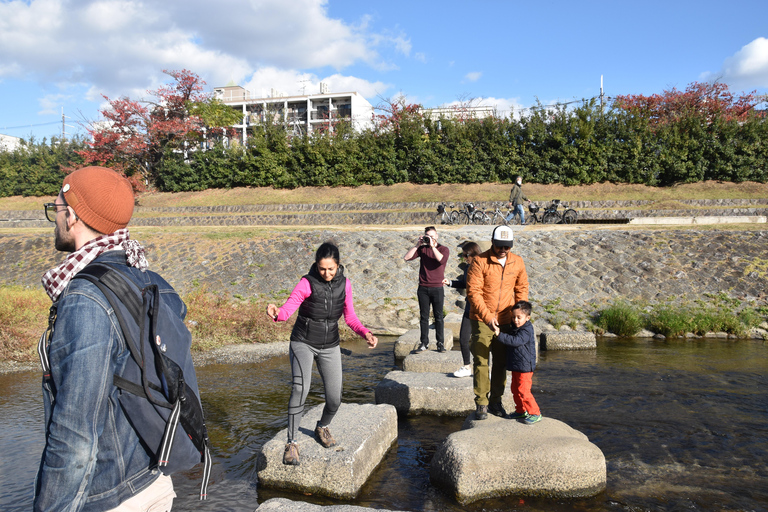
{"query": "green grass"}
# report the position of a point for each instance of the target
(407, 192)
(621, 319)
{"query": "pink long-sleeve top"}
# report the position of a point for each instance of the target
(303, 290)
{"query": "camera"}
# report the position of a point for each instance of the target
(426, 240)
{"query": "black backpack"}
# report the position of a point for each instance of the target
(158, 385)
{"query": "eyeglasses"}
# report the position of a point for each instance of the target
(51, 210)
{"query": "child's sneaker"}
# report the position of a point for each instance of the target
(518, 415)
(532, 418)
(464, 371)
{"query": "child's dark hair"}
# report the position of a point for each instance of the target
(524, 306)
(327, 250)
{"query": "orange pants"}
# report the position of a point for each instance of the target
(521, 392)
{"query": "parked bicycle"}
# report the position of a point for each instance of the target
(552, 216)
(499, 217)
(443, 215)
(533, 214)
(480, 216)
(463, 216)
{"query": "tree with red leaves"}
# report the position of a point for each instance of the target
(702, 101)
(136, 134)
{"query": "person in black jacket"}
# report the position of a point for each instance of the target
(468, 252)
(322, 297)
(521, 361)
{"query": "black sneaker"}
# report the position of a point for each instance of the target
(497, 410)
(481, 412)
(441, 349)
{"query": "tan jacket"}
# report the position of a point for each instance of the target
(493, 290)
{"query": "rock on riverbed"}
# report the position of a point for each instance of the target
(501, 457)
(364, 433)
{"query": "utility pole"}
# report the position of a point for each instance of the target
(601, 95)
(63, 127)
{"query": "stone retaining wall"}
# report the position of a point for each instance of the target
(572, 272)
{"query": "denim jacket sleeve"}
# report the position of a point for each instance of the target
(83, 355)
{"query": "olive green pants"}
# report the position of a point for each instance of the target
(483, 344)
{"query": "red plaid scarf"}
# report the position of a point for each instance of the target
(55, 280)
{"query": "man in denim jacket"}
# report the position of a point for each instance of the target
(93, 459)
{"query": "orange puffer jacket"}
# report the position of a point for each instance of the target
(493, 290)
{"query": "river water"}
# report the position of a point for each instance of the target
(683, 426)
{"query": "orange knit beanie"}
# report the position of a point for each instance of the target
(101, 197)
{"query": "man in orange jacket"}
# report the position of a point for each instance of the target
(496, 280)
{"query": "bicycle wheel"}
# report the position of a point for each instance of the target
(454, 218)
(462, 218)
(498, 219)
(569, 216)
(478, 217)
(550, 218)
(441, 218)
(531, 219)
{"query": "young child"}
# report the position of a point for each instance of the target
(521, 361)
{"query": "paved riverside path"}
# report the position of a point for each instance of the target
(572, 271)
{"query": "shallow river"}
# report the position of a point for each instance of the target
(683, 426)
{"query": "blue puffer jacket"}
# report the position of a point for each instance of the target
(522, 357)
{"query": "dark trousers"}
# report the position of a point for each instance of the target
(465, 333)
(434, 297)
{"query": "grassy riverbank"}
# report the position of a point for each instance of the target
(214, 321)
(406, 192)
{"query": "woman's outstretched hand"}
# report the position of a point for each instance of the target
(272, 311)
(371, 339)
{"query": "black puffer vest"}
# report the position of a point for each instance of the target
(318, 321)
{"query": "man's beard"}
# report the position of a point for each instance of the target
(63, 243)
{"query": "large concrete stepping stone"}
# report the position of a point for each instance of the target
(409, 341)
(430, 361)
(363, 433)
(568, 341)
(286, 505)
(501, 457)
(439, 394)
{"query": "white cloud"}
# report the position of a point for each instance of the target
(473, 76)
(120, 47)
(746, 69)
(292, 83)
(52, 103)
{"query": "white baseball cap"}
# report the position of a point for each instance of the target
(502, 236)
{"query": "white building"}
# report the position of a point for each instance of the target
(301, 114)
(458, 112)
(9, 143)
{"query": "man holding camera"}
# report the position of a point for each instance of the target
(433, 258)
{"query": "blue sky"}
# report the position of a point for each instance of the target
(66, 54)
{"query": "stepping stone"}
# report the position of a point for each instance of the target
(568, 341)
(500, 457)
(430, 361)
(363, 432)
(409, 341)
(286, 505)
(431, 393)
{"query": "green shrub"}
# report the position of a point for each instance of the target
(670, 321)
(621, 319)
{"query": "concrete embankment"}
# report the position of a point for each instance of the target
(572, 271)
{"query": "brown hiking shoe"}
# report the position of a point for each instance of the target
(291, 455)
(324, 437)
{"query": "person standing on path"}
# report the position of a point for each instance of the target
(496, 280)
(516, 199)
(321, 297)
(468, 252)
(433, 259)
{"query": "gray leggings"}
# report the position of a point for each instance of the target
(329, 365)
